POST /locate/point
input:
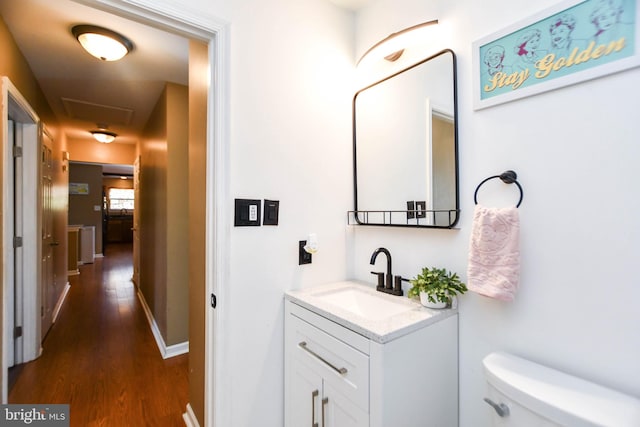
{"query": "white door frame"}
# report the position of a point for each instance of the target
(197, 24)
(27, 131)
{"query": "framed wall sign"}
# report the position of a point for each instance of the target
(78, 188)
(569, 43)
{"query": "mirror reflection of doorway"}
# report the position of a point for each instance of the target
(443, 166)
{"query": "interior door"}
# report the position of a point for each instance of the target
(47, 285)
(20, 224)
(13, 289)
(136, 222)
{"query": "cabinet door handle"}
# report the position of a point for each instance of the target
(324, 403)
(314, 394)
(303, 345)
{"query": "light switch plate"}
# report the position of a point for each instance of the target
(411, 206)
(421, 209)
(247, 212)
(271, 212)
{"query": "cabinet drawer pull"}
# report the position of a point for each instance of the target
(314, 394)
(324, 403)
(303, 345)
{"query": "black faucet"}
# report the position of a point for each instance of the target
(386, 285)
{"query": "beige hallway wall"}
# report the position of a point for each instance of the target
(164, 214)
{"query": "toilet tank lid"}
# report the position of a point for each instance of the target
(562, 398)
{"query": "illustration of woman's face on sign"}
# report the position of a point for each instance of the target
(560, 35)
(494, 56)
(534, 42)
(528, 43)
(605, 16)
(560, 31)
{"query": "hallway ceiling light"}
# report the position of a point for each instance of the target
(103, 136)
(102, 43)
(392, 47)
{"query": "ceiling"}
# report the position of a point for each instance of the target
(352, 4)
(82, 90)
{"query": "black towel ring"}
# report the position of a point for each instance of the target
(508, 177)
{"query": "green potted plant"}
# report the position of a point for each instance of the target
(436, 287)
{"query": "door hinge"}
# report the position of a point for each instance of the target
(17, 332)
(17, 242)
(17, 151)
(214, 301)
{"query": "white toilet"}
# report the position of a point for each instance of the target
(525, 394)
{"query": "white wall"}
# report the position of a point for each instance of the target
(291, 69)
(290, 95)
(575, 150)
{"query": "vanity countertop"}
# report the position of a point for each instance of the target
(409, 315)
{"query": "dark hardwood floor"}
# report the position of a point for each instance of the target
(101, 358)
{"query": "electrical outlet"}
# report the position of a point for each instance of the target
(304, 257)
(411, 206)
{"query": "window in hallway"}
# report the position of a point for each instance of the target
(121, 198)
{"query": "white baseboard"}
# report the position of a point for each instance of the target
(176, 349)
(189, 417)
(166, 352)
(73, 272)
(98, 256)
(63, 296)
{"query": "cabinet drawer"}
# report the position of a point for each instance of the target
(342, 366)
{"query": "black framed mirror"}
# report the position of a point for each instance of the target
(405, 147)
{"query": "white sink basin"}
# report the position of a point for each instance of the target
(359, 307)
(364, 304)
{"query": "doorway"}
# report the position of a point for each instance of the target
(21, 230)
(214, 154)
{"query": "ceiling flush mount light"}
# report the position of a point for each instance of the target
(102, 43)
(392, 47)
(103, 136)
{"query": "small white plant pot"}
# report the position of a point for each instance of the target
(424, 300)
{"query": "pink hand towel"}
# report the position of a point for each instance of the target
(494, 252)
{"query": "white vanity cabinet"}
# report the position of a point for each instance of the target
(326, 379)
(336, 376)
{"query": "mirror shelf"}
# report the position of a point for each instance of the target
(406, 218)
